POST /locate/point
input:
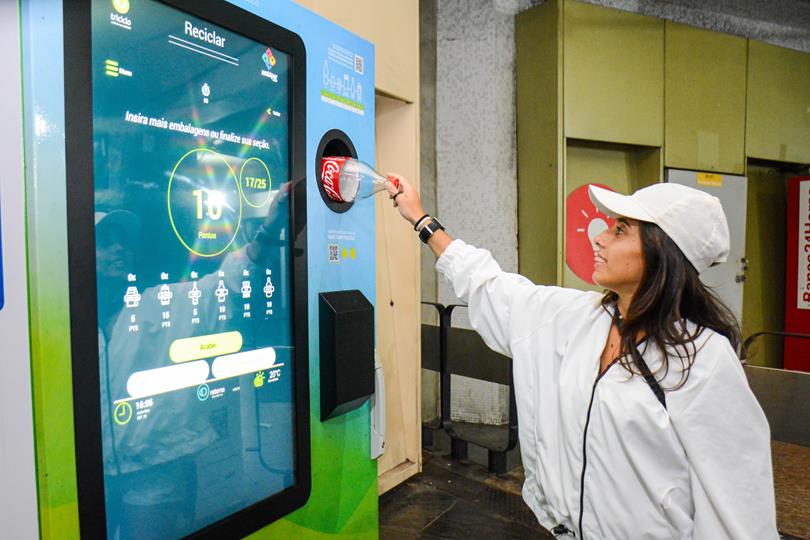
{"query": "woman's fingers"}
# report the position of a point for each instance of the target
(397, 184)
(404, 196)
(394, 188)
(391, 186)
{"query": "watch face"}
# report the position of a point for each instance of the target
(426, 232)
(431, 227)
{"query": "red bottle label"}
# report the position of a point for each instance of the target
(330, 176)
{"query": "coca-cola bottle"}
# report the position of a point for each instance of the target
(345, 179)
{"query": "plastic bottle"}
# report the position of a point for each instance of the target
(345, 179)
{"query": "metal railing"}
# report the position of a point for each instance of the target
(458, 351)
(753, 337)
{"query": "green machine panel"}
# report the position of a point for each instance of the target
(704, 100)
(613, 75)
(777, 120)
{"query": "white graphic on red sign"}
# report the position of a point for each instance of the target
(583, 223)
(803, 284)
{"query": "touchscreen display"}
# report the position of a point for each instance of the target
(194, 257)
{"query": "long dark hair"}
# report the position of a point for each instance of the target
(670, 293)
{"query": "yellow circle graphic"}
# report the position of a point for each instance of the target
(269, 182)
(121, 6)
(232, 176)
(122, 413)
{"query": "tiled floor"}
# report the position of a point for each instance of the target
(461, 500)
(791, 477)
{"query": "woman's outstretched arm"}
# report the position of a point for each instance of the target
(503, 306)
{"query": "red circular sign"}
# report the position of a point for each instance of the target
(583, 222)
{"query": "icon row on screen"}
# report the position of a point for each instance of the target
(165, 295)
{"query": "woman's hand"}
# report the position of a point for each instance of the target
(405, 198)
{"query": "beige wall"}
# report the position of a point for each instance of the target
(393, 27)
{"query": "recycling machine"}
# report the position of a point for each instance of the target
(201, 314)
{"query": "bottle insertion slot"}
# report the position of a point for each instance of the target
(333, 143)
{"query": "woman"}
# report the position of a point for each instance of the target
(635, 417)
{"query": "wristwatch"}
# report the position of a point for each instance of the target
(429, 229)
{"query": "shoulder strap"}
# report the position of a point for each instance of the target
(652, 382)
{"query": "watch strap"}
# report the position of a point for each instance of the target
(429, 229)
(419, 222)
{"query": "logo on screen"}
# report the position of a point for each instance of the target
(269, 59)
(121, 6)
(269, 62)
(117, 18)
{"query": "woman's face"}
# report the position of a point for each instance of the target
(618, 258)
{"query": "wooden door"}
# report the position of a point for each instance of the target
(398, 315)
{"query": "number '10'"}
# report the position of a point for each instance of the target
(213, 204)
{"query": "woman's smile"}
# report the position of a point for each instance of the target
(623, 242)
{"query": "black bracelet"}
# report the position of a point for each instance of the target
(419, 221)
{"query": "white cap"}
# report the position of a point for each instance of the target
(693, 219)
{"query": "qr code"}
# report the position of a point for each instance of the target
(333, 253)
(358, 64)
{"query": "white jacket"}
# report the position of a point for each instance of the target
(699, 469)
